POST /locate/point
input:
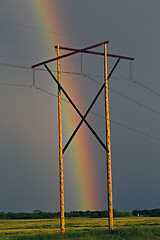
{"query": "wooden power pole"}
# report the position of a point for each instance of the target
(60, 149)
(108, 143)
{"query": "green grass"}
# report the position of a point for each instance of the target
(81, 228)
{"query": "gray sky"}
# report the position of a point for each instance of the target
(28, 124)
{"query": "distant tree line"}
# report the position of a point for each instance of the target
(37, 214)
(147, 213)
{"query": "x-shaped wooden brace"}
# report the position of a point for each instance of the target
(83, 117)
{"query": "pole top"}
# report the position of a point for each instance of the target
(56, 46)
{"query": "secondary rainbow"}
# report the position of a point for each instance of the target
(83, 170)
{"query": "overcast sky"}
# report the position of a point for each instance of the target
(28, 123)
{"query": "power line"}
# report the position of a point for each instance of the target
(14, 66)
(23, 43)
(128, 98)
(87, 76)
(122, 78)
(113, 121)
(135, 130)
(42, 69)
(147, 88)
(43, 90)
(31, 27)
(93, 113)
(138, 83)
(132, 100)
(92, 79)
(15, 85)
(35, 28)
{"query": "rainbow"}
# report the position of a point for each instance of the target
(81, 159)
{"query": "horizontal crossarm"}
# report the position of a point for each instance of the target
(97, 53)
(72, 103)
(89, 109)
(69, 54)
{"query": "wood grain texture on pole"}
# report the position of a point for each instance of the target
(108, 143)
(62, 220)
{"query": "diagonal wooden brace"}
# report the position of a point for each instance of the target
(77, 110)
(89, 109)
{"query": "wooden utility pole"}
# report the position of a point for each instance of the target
(62, 221)
(108, 143)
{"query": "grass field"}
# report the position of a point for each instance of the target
(81, 228)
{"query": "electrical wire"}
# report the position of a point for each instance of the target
(36, 28)
(24, 44)
(138, 83)
(15, 85)
(147, 88)
(52, 70)
(86, 76)
(89, 77)
(31, 27)
(43, 90)
(135, 130)
(14, 66)
(132, 100)
(113, 121)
